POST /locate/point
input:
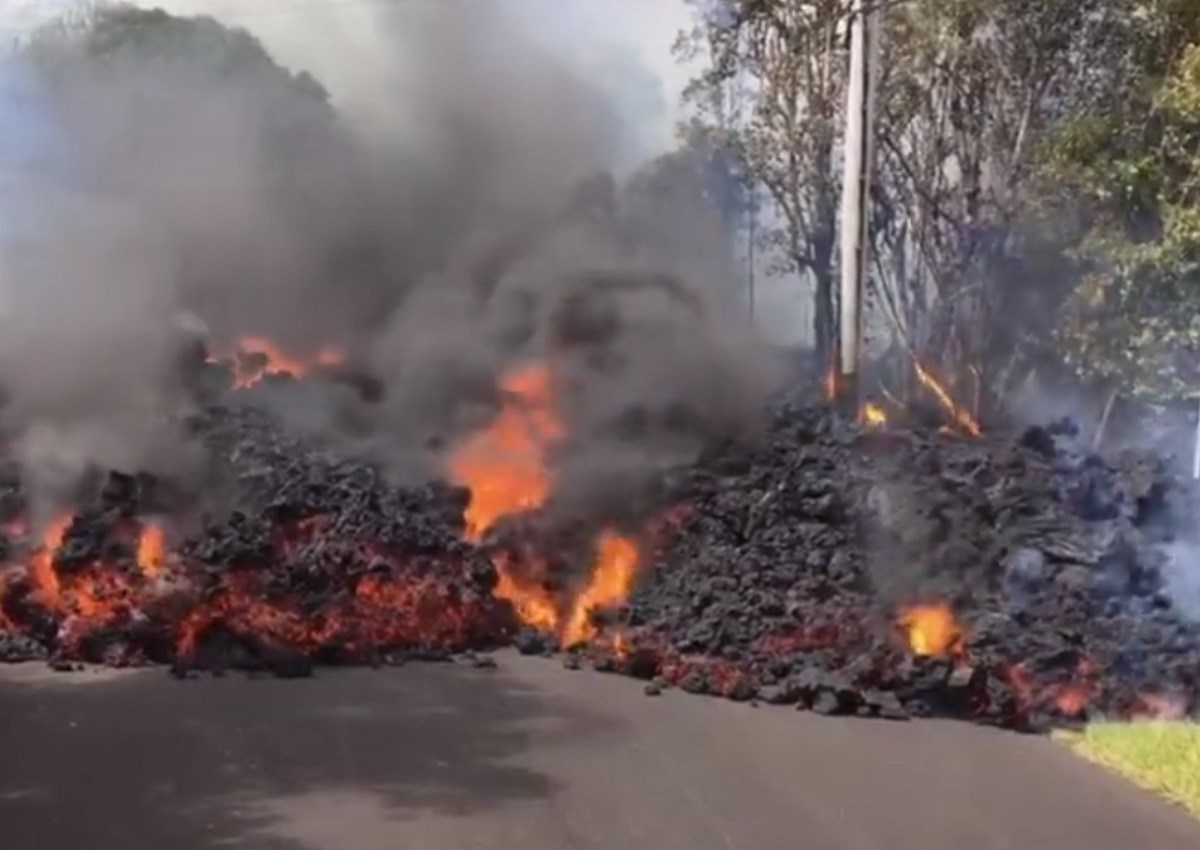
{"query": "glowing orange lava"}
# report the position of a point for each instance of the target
(609, 582)
(267, 359)
(383, 610)
(534, 604)
(151, 551)
(931, 629)
(505, 465)
(46, 587)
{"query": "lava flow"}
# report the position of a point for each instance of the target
(97, 593)
(506, 469)
(256, 358)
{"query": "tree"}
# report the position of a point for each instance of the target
(970, 91)
(970, 226)
(791, 60)
(1130, 173)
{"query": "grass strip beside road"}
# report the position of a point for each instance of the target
(1163, 757)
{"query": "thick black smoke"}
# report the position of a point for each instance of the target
(480, 232)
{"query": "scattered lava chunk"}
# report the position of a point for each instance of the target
(844, 567)
(322, 560)
(1003, 579)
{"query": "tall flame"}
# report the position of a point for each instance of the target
(505, 465)
(609, 583)
(46, 586)
(150, 551)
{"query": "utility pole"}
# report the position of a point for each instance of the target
(856, 179)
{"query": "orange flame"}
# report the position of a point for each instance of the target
(150, 552)
(506, 470)
(962, 418)
(609, 583)
(277, 361)
(46, 586)
(504, 466)
(931, 629)
(831, 384)
(873, 415)
(534, 604)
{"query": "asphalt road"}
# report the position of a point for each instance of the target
(525, 757)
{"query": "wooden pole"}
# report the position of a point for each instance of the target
(856, 168)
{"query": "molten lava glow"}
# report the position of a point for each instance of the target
(1070, 698)
(609, 583)
(505, 468)
(46, 586)
(931, 629)
(277, 361)
(960, 417)
(504, 465)
(534, 604)
(383, 611)
(873, 415)
(151, 551)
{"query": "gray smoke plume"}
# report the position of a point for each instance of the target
(477, 230)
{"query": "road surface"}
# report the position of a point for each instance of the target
(525, 757)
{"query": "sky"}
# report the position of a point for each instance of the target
(624, 45)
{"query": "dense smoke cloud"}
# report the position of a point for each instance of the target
(470, 234)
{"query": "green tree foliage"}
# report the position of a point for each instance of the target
(1129, 173)
(966, 263)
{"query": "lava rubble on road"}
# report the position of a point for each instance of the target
(831, 566)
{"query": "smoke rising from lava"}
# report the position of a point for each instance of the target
(434, 252)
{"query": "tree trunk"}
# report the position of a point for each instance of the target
(824, 331)
(822, 244)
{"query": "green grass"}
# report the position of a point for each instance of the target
(1159, 756)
